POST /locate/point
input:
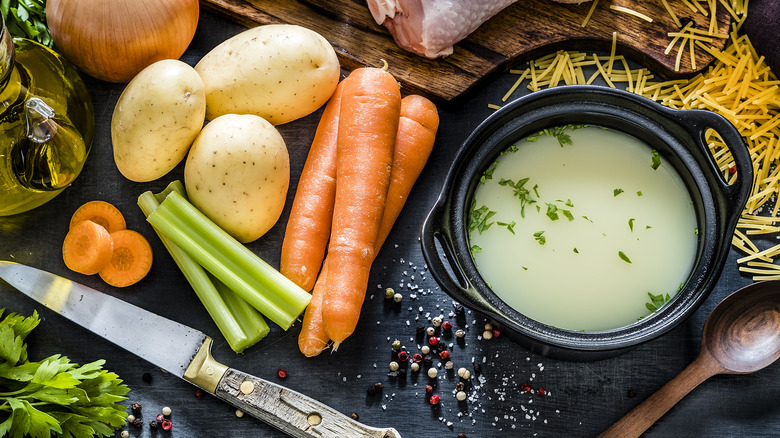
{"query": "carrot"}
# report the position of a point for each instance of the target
(130, 261)
(101, 213)
(87, 248)
(308, 228)
(418, 124)
(368, 126)
(313, 338)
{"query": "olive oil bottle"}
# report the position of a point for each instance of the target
(47, 123)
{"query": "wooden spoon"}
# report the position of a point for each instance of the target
(741, 336)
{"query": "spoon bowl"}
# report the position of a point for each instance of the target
(743, 332)
(741, 335)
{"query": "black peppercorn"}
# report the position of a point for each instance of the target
(147, 378)
(371, 390)
(135, 408)
(402, 372)
(153, 424)
(420, 330)
(460, 386)
(138, 422)
(459, 309)
(354, 416)
(631, 393)
(427, 360)
(477, 368)
(378, 386)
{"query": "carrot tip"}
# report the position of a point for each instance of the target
(335, 347)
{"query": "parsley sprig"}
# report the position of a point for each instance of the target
(27, 19)
(54, 395)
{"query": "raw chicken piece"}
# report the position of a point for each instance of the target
(430, 27)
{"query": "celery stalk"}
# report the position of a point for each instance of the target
(238, 322)
(246, 274)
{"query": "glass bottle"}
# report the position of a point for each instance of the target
(47, 122)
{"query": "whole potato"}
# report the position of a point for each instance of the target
(237, 173)
(156, 119)
(280, 72)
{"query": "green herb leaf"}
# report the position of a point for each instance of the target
(631, 224)
(624, 257)
(576, 251)
(656, 160)
(509, 226)
(639, 193)
(27, 19)
(617, 191)
(656, 301)
(539, 236)
(552, 212)
(478, 218)
(475, 249)
(520, 192)
(488, 173)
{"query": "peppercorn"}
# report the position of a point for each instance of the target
(433, 340)
(427, 360)
(166, 411)
(135, 408)
(420, 330)
(281, 373)
(435, 399)
(542, 392)
(496, 333)
(446, 325)
(378, 386)
(430, 331)
(437, 321)
(460, 386)
(488, 326)
(394, 366)
(460, 396)
(239, 413)
(444, 355)
(397, 298)
(147, 378)
(130, 418)
(403, 356)
(166, 424)
(525, 387)
(448, 365)
(425, 349)
(153, 424)
(389, 293)
(396, 345)
(487, 335)
(433, 372)
(138, 422)
(417, 358)
(124, 434)
(428, 389)
(477, 369)
(631, 393)
(460, 333)
(371, 390)
(402, 373)
(354, 416)
(463, 373)
(198, 394)
(461, 435)
(415, 366)
(160, 417)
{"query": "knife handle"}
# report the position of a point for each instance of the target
(290, 411)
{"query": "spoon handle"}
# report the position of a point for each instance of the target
(649, 411)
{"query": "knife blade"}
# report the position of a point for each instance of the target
(186, 353)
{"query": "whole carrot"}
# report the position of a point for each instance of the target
(308, 228)
(368, 125)
(417, 129)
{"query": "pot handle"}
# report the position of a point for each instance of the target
(700, 122)
(443, 266)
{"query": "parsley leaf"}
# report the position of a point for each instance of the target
(656, 160)
(27, 19)
(656, 301)
(539, 236)
(624, 257)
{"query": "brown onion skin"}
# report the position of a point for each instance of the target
(113, 40)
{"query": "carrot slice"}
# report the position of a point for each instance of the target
(101, 213)
(87, 248)
(131, 260)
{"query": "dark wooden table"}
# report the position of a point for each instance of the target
(582, 399)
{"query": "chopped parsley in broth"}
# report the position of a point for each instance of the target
(569, 205)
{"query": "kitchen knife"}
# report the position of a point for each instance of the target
(186, 353)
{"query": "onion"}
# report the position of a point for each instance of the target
(113, 40)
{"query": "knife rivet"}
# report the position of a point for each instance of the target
(314, 419)
(247, 387)
(210, 370)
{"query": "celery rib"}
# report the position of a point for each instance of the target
(246, 274)
(238, 322)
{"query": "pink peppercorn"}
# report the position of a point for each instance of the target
(525, 387)
(166, 425)
(198, 394)
(417, 358)
(433, 340)
(435, 399)
(160, 418)
(542, 392)
(403, 356)
(428, 389)
(446, 325)
(496, 333)
(282, 374)
(444, 355)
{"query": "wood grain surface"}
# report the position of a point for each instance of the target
(525, 29)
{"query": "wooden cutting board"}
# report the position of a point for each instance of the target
(526, 29)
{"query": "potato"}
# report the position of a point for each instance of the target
(156, 119)
(237, 173)
(280, 72)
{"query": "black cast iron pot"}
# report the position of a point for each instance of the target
(678, 136)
